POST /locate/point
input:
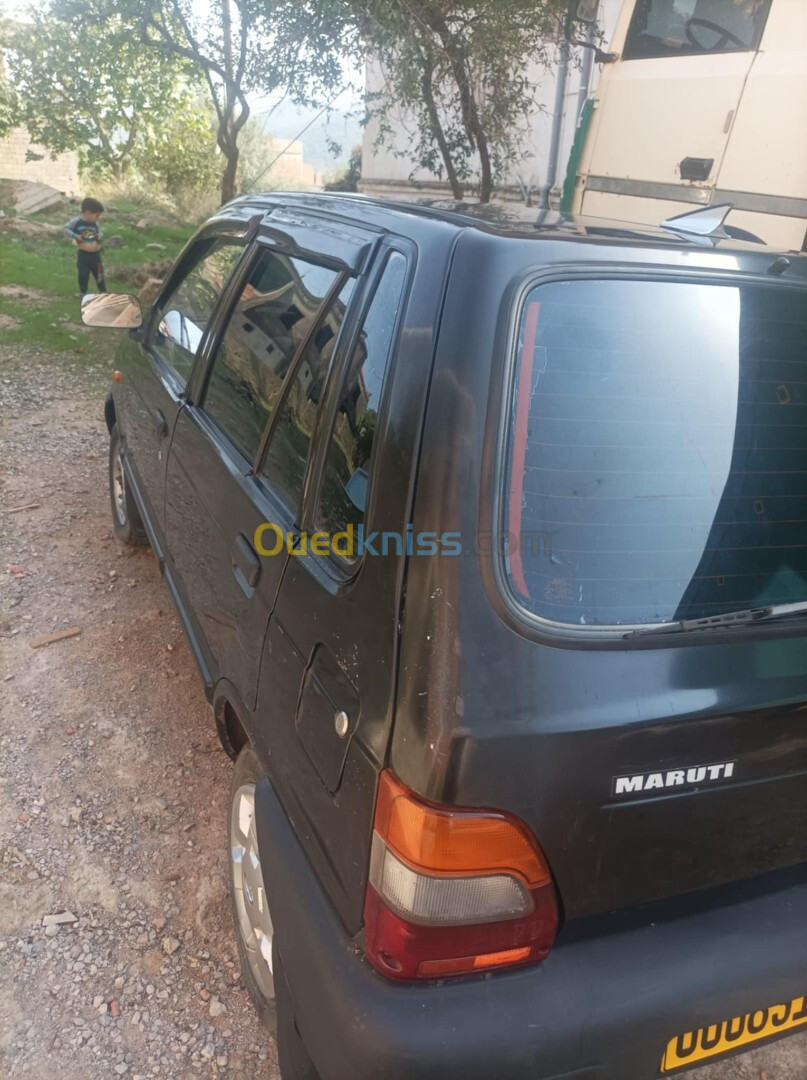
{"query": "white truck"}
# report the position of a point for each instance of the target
(701, 102)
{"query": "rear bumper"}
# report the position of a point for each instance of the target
(599, 1009)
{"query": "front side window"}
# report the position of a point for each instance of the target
(186, 312)
(350, 451)
(657, 457)
(687, 27)
(277, 306)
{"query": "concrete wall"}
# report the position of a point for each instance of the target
(60, 173)
(388, 168)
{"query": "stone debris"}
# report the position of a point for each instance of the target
(61, 918)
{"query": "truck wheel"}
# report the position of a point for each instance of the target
(253, 922)
(126, 519)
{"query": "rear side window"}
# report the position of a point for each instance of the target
(657, 451)
(350, 449)
(686, 27)
(290, 442)
(277, 306)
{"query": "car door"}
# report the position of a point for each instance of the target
(329, 662)
(158, 367)
(225, 487)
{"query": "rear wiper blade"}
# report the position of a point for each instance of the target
(719, 622)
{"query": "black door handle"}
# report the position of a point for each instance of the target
(246, 563)
(160, 423)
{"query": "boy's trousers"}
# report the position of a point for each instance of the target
(89, 262)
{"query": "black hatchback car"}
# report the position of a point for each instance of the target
(489, 540)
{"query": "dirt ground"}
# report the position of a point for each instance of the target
(113, 786)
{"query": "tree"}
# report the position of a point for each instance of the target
(461, 69)
(241, 47)
(180, 155)
(9, 105)
(348, 177)
(81, 85)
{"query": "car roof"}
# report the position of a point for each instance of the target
(501, 219)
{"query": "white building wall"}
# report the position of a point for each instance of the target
(389, 169)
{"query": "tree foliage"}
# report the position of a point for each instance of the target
(82, 85)
(179, 156)
(349, 177)
(240, 47)
(9, 103)
(461, 70)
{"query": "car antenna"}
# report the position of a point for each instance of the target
(706, 223)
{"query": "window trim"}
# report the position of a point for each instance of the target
(602, 635)
(340, 569)
(630, 36)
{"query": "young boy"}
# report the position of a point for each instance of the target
(86, 234)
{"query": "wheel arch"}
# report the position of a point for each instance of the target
(229, 712)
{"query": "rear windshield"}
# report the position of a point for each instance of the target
(657, 451)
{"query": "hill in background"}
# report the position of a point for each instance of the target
(286, 121)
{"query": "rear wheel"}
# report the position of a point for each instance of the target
(126, 519)
(261, 967)
(253, 922)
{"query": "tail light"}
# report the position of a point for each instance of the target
(452, 890)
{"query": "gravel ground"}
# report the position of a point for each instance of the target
(113, 786)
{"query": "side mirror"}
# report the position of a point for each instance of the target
(586, 10)
(111, 309)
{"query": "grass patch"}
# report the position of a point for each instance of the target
(42, 263)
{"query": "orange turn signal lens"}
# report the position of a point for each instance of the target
(438, 840)
(459, 965)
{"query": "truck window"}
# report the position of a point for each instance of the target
(687, 27)
(657, 451)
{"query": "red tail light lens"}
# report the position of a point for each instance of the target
(453, 891)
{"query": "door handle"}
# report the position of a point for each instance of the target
(246, 564)
(160, 423)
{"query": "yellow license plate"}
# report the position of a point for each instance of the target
(718, 1039)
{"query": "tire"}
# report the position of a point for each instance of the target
(264, 977)
(126, 520)
(253, 924)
